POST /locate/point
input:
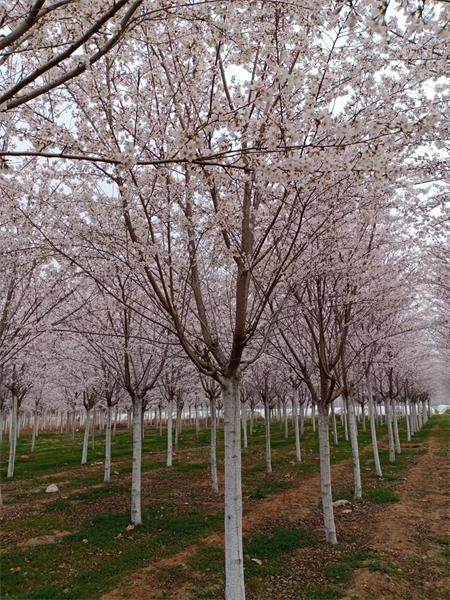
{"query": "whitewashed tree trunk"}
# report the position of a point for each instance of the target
(391, 442)
(325, 476)
(355, 448)
(160, 420)
(244, 424)
(267, 437)
(136, 511)
(398, 448)
(116, 414)
(363, 414)
(73, 421)
(302, 418)
(285, 419)
(84, 456)
(234, 561)
(93, 427)
(419, 417)
(12, 438)
(373, 428)
(298, 449)
(169, 434)
(34, 431)
(335, 432)
(345, 417)
(214, 478)
(197, 420)
(408, 422)
(313, 415)
(107, 475)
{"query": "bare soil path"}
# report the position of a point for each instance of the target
(409, 536)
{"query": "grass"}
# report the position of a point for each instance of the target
(382, 495)
(179, 511)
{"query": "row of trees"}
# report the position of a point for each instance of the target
(240, 194)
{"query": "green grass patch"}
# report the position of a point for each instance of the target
(382, 495)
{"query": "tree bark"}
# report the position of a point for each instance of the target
(355, 448)
(373, 428)
(325, 476)
(387, 409)
(107, 475)
(12, 437)
(298, 449)
(84, 456)
(214, 478)
(335, 432)
(234, 562)
(136, 512)
(267, 437)
(169, 434)
(398, 448)
(34, 433)
(244, 424)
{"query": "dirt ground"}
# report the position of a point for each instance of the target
(406, 537)
(410, 535)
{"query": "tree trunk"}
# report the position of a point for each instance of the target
(355, 448)
(398, 448)
(335, 432)
(214, 478)
(234, 562)
(177, 426)
(298, 449)
(387, 409)
(244, 424)
(12, 437)
(285, 418)
(169, 435)
(116, 414)
(107, 475)
(136, 513)
(34, 433)
(302, 418)
(252, 418)
(73, 425)
(197, 420)
(373, 428)
(325, 476)
(267, 429)
(313, 415)
(84, 456)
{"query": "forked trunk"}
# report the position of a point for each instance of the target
(136, 513)
(234, 561)
(325, 476)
